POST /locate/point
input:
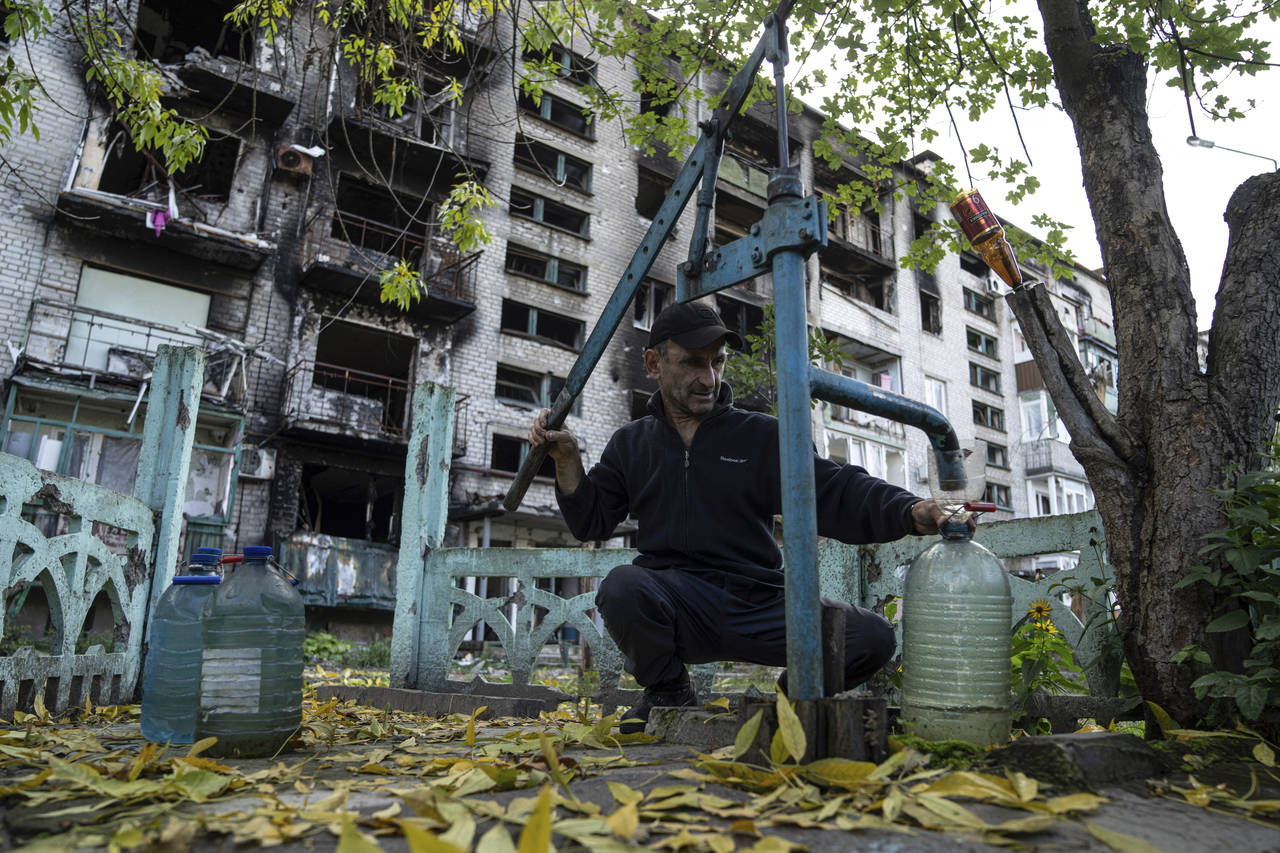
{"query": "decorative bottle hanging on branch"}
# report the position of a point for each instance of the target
(986, 235)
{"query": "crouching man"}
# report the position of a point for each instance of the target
(702, 479)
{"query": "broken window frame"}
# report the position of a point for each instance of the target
(548, 162)
(546, 470)
(737, 316)
(981, 342)
(997, 456)
(536, 208)
(184, 182)
(976, 303)
(70, 449)
(552, 109)
(647, 305)
(574, 68)
(930, 313)
(986, 415)
(984, 377)
(542, 388)
(858, 290)
(533, 327)
(1000, 495)
(553, 268)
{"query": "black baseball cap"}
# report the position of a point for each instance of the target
(692, 325)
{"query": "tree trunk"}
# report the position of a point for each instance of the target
(1178, 432)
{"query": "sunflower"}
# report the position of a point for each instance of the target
(1039, 609)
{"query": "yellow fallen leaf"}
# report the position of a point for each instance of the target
(535, 837)
(1121, 841)
(1023, 785)
(747, 734)
(386, 814)
(622, 794)
(496, 840)
(976, 786)
(624, 821)
(744, 826)
(892, 805)
(1166, 723)
(774, 844)
(793, 736)
(951, 812)
(423, 841)
(200, 746)
(838, 772)
(1075, 803)
(1264, 754)
(721, 703)
(352, 840)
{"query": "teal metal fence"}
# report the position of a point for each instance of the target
(71, 542)
(435, 614)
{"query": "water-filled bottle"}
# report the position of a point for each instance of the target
(171, 679)
(251, 678)
(957, 613)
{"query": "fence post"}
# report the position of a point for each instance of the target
(421, 600)
(165, 457)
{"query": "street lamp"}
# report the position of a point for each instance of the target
(1198, 142)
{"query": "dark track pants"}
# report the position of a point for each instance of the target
(662, 619)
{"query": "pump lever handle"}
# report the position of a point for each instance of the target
(974, 506)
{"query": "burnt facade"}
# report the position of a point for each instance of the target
(269, 253)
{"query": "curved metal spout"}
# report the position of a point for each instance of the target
(835, 388)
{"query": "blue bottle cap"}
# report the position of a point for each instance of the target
(217, 552)
(196, 579)
(199, 559)
(256, 552)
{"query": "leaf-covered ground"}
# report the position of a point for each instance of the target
(360, 779)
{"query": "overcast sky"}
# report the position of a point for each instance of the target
(1198, 181)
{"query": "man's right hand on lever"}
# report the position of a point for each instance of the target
(562, 447)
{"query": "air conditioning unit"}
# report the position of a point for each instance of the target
(290, 159)
(258, 463)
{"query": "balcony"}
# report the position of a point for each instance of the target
(330, 399)
(1099, 331)
(1050, 456)
(337, 572)
(125, 217)
(858, 246)
(71, 340)
(233, 86)
(350, 264)
(744, 175)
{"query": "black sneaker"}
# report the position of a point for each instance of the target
(680, 696)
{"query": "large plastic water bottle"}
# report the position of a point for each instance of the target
(251, 677)
(957, 611)
(171, 679)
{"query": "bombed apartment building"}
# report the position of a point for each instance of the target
(270, 251)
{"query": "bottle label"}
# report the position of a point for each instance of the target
(230, 681)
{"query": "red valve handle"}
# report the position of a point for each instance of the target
(973, 506)
(233, 558)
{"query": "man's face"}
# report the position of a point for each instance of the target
(689, 379)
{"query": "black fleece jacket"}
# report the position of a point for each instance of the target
(713, 505)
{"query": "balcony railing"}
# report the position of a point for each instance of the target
(1050, 456)
(861, 232)
(346, 400)
(744, 175)
(1098, 330)
(367, 247)
(75, 339)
